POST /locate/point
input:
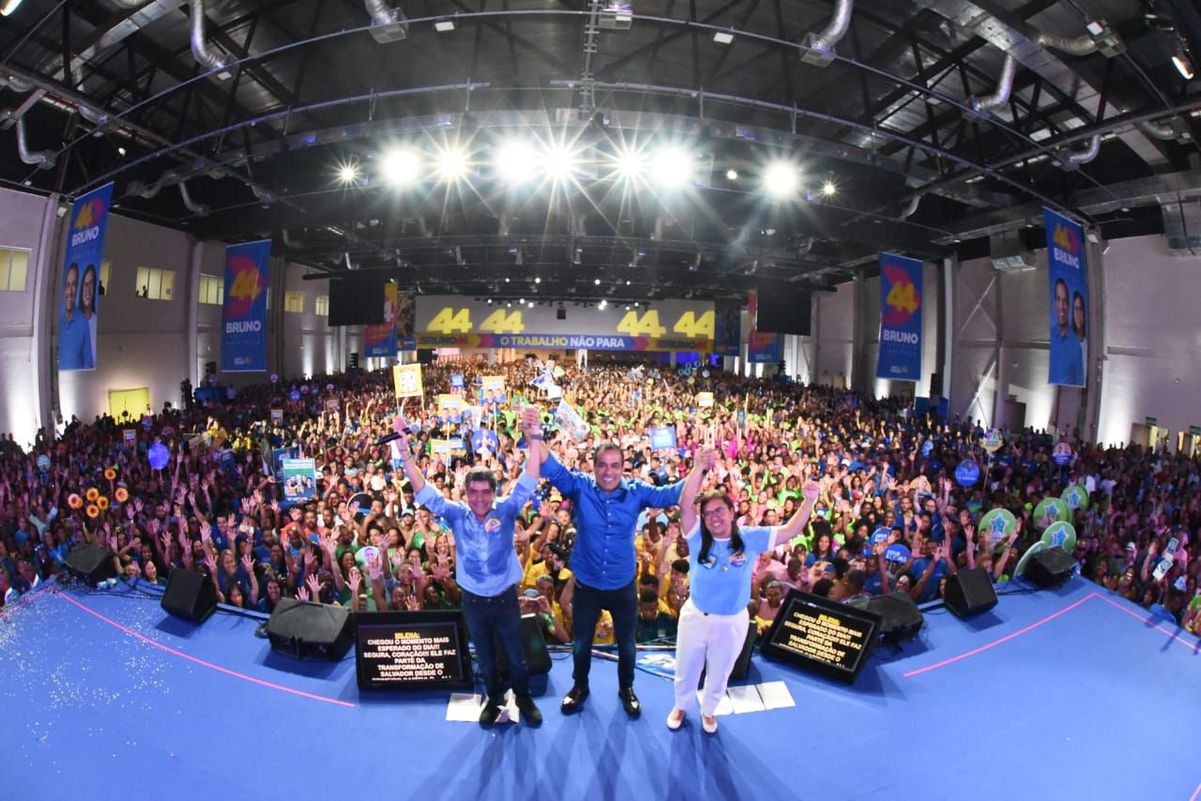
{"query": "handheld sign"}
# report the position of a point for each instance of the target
(662, 438)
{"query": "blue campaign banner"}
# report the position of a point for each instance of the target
(1069, 300)
(244, 313)
(77, 305)
(900, 354)
(761, 347)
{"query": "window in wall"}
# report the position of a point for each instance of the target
(323, 305)
(155, 283)
(294, 302)
(106, 266)
(14, 265)
(212, 290)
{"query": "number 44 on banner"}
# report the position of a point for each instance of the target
(407, 380)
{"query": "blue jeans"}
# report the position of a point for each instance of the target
(499, 614)
(587, 603)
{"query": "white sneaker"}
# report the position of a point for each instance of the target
(675, 719)
(709, 723)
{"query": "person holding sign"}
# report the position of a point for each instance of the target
(603, 562)
(714, 620)
(487, 568)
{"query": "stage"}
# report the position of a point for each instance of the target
(1068, 693)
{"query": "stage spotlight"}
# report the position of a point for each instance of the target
(629, 164)
(829, 188)
(596, 281)
(348, 173)
(781, 179)
(672, 167)
(452, 164)
(401, 166)
(561, 163)
(515, 162)
(731, 174)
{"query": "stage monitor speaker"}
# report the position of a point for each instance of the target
(970, 592)
(1050, 567)
(901, 620)
(743, 666)
(935, 385)
(308, 630)
(533, 647)
(190, 595)
(93, 563)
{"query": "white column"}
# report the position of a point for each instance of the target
(192, 304)
(45, 363)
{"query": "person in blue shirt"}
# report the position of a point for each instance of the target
(714, 619)
(1067, 365)
(74, 337)
(603, 563)
(487, 569)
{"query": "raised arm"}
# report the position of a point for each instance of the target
(800, 518)
(705, 460)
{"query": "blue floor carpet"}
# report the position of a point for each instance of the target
(1068, 694)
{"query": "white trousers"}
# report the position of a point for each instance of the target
(709, 642)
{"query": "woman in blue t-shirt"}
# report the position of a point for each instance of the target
(713, 622)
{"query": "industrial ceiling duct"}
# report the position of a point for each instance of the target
(201, 49)
(911, 207)
(1071, 159)
(819, 47)
(42, 159)
(199, 209)
(387, 24)
(15, 83)
(1173, 128)
(1099, 38)
(1004, 86)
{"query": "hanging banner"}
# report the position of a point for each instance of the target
(406, 322)
(244, 313)
(77, 306)
(900, 354)
(761, 348)
(727, 336)
(1069, 300)
(379, 339)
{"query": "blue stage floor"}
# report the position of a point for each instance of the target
(1065, 694)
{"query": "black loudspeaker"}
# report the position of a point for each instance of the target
(425, 357)
(308, 630)
(190, 595)
(901, 620)
(93, 563)
(210, 368)
(352, 363)
(743, 666)
(533, 647)
(970, 592)
(935, 385)
(560, 313)
(1050, 568)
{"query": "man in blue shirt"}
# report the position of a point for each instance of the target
(486, 567)
(74, 338)
(603, 561)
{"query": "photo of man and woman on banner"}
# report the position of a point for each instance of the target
(1069, 301)
(299, 480)
(78, 301)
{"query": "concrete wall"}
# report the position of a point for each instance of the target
(20, 224)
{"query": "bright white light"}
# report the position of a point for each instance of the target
(672, 167)
(9, 7)
(731, 174)
(444, 25)
(401, 166)
(537, 279)
(601, 305)
(781, 179)
(515, 162)
(348, 174)
(829, 188)
(630, 164)
(531, 304)
(723, 37)
(596, 281)
(452, 164)
(561, 163)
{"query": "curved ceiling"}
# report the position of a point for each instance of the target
(236, 129)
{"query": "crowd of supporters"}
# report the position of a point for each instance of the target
(887, 477)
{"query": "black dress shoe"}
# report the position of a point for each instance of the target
(489, 714)
(574, 700)
(630, 702)
(529, 710)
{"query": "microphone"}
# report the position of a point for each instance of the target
(386, 438)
